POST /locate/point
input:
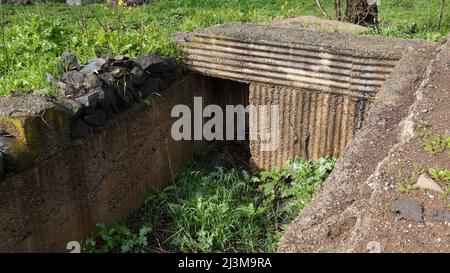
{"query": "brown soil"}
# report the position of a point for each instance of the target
(430, 235)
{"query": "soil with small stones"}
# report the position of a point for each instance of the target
(431, 235)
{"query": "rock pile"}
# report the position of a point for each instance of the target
(104, 86)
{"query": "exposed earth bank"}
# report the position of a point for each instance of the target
(358, 208)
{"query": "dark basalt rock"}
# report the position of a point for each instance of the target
(79, 129)
(119, 72)
(107, 78)
(408, 210)
(71, 107)
(155, 63)
(97, 118)
(68, 62)
(104, 86)
(89, 100)
(138, 75)
(92, 81)
(123, 63)
(2, 167)
(73, 78)
(92, 67)
(108, 100)
(150, 86)
(440, 215)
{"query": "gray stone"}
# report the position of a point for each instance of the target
(2, 167)
(79, 129)
(92, 81)
(72, 77)
(74, 2)
(126, 63)
(72, 108)
(89, 100)
(408, 210)
(97, 118)
(98, 61)
(441, 215)
(426, 182)
(119, 72)
(107, 78)
(68, 62)
(155, 63)
(138, 75)
(108, 100)
(150, 86)
(120, 58)
(91, 68)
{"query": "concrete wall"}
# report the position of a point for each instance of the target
(324, 83)
(70, 185)
(312, 124)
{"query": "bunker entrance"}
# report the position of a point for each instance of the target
(305, 123)
(322, 83)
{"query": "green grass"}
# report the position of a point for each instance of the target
(434, 143)
(36, 35)
(220, 211)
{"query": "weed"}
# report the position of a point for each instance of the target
(435, 144)
(422, 124)
(440, 174)
(117, 238)
(408, 184)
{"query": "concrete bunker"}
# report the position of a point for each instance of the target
(325, 84)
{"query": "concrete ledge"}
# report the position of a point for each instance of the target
(319, 24)
(338, 63)
(39, 127)
(67, 186)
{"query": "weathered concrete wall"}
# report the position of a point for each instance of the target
(324, 83)
(311, 124)
(70, 185)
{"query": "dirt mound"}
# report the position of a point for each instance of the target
(353, 212)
